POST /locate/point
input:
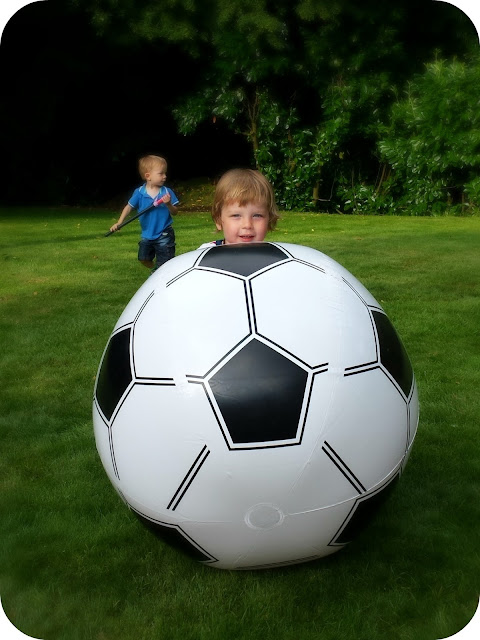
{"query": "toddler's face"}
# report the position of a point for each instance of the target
(247, 223)
(157, 176)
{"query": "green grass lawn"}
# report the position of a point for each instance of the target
(75, 564)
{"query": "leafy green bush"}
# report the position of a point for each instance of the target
(314, 164)
(364, 199)
(433, 141)
(285, 154)
(293, 157)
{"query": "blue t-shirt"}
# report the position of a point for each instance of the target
(153, 222)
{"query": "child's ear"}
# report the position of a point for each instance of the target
(218, 224)
(147, 175)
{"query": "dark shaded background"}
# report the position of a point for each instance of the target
(78, 110)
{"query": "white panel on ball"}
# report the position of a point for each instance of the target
(311, 294)
(370, 430)
(333, 268)
(182, 315)
(254, 405)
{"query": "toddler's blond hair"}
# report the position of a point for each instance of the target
(147, 163)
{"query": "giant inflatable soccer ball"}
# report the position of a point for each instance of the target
(254, 405)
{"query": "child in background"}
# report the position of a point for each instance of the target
(243, 207)
(158, 237)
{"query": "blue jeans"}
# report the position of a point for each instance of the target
(162, 248)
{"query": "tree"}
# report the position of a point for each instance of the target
(308, 83)
(255, 58)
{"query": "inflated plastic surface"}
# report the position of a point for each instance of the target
(254, 405)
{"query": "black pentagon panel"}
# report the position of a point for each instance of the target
(392, 353)
(115, 374)
(174, 537)
(260, 395)
(242, 259)
(363, 513)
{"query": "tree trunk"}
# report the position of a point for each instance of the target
(252, 134)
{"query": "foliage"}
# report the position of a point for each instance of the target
(293, 156)
(317, 139)
(285, 154)
(433, 141)
(251, 51)
(175, 21)
(301, 88)
(311, 166)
